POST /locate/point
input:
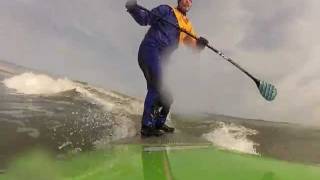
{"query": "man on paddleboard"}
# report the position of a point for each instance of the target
(160, 41)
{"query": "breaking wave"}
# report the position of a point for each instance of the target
(41, 84)
(118, 112)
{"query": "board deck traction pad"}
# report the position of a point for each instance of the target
(171, 141)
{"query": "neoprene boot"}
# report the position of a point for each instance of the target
(166, 128)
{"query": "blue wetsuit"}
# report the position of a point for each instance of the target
(160, 40)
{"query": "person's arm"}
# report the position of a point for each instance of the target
(188, 40)
(198, 44)
(142, 17)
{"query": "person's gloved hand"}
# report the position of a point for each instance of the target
(131, 4)
(202, 43)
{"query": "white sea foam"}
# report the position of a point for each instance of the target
(31, 83)
(233, 137)
(121, 106)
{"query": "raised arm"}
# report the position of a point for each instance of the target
(145, 18)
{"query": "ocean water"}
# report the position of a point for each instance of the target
(65, 116)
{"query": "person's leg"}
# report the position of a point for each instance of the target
(149, 112)
(150, 65)
(158, 100)
(165, 103)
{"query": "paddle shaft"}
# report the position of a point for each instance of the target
(210, 47)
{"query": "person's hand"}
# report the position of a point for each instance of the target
(131, 4)
(202, 43)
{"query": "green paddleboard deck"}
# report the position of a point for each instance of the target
(176, 141)
(177, 157)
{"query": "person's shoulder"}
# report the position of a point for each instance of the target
(164, 7)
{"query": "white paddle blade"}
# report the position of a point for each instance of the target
(268, 91)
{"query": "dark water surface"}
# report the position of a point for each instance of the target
(67, 122)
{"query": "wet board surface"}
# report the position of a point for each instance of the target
(133, 162)
(170, 140)
(175, 156)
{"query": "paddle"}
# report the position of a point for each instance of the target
(267, 90)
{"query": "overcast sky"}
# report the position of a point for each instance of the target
(97, 41)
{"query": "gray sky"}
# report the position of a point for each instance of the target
(97, 41)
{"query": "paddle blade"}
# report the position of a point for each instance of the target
(267, 90)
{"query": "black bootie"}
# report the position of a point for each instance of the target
(166, 128)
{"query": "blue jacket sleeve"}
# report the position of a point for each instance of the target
(145, 18)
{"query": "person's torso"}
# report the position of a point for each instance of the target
(163, 35)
